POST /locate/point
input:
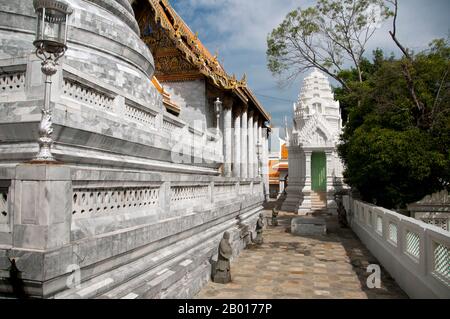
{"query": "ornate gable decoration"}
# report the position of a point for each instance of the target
(190, 46)
(315, 132)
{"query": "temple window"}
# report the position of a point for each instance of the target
(317, 107)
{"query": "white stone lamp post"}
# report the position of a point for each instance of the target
(50, 43)
(217, 109)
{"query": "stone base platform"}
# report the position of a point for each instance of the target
(301, 226)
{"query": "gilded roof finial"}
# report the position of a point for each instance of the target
(244, 79)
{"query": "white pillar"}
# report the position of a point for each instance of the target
(306, 192)
(308, 171)
(261, 150)
(237, 145)
(255, 148)
(266, 162)
(244, 144)
(250, 145)
(331, 203)
(227, 140)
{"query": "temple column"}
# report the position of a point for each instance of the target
(306, 192)
(244, 144)
(250, 145)
(227, 139)
(308, 171)
(331, 203)
(261, 149)
(237, 144)
(266, 162)
(255, 147)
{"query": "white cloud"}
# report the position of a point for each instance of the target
(236, 24)
(238, 30)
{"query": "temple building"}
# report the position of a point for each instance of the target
(158, 151)
(315, 170)
(278, 164)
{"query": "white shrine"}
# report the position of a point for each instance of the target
(315, 170)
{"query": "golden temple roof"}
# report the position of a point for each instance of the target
(197, 54)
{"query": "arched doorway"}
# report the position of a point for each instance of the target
(319, 172)
(318, 181)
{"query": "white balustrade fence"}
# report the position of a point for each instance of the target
(188, 196)
(4, 212)
(86, 95)
(170, 128)
(92, 202)
(12, 82)
(415, 254)
(97, 202)
(141, 116)
(245, 188)
(224, 191)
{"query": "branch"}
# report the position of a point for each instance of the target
(405, 67)
(393, 33)
(436, 99)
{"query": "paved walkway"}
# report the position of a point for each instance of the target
(290, 267)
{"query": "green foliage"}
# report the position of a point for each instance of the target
(325, 36)
(396, 143)
(394, 153)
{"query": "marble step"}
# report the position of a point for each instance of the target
(154, 263)
(153, 275)
(158, 282)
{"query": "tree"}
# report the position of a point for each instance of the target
(326, 36)
(395, 153)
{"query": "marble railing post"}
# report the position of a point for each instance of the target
(250, 145)
(307, 171)
(331, 203)
(237, 144)
(244, 143)
(227, 139)
(42, 206)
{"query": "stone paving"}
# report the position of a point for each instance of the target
(291, 267)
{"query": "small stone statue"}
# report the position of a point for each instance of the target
(259, 229)
(274, 216)
(342, 213)
(222, 271)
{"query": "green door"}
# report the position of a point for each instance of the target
(319, 172)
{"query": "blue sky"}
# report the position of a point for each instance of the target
(238, 29)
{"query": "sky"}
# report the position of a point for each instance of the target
(238, 29)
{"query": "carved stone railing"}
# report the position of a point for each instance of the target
(257, 187)
(140, 115)
(245, 188)
(4, 209)
(433, 209)
(224, 191)
(188, 196)
(172, 126)
(441, 222)
(11, 82)
(415, 254)
(87, 95)
(96, 202)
